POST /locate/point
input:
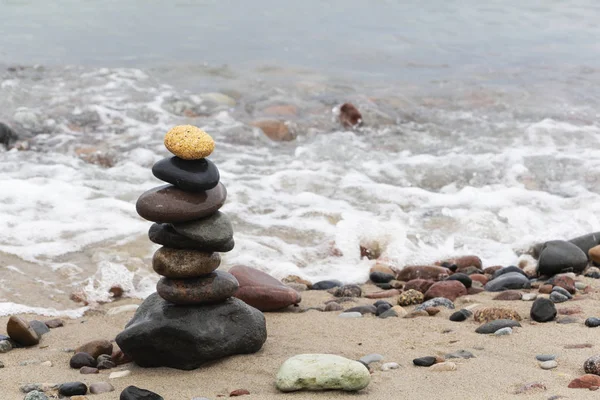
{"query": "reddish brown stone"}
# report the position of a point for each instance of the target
(479, 278)
(116, 291)
(262, 291)
(239, 392)
(349, 116)
(463, 262)
(382, 268)
(297, 279)
(491, 270)
(566, 283)
(422, 272)
(277, 131)
(212, 288)
(546, 289)
(384, 294)
(54, 323)
(586, 381)
(579, 346)
(120, 358)
(570, 310)
(475, 290)
(96, 348)
(509, 295)
(448, 289)
(420, 285)
(432, 310)
(79, 297)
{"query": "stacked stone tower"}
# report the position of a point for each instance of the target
(193, 317)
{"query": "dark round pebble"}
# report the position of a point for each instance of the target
(82, 360)
(382, 308)
(462, 278)
(592, 322)
(135, 393)
(380, 302)
(189, 175)
(542, 310)
(506, 270)
(424, 361)
(460, 315)
(73, 389)
(381, 277)
(325, 285)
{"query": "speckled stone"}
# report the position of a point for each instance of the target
(212, 288)
(410, 297)
(592, 365)
(181, 264)
(189, 142)
(170, 204)
(488, 314)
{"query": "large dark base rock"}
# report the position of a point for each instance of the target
(161, 334)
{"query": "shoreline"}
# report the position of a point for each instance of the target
(502, 364)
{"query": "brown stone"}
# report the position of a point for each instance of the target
(349, 116)
(182, 264)
(54, 323)
(96, 348)
(491, 270)
(275, 130)
(488, 314)
(383, 295)
(586, 381)
(594, 254)
(79, 297)
(297, 279)
(284, 110)
(420, 285)
(410, 297)
(415, 314)
(565, 282)
(88, 370)
(479, 278)
(545, 289)
(170, 204)
(396, 284)
(120, 358)
(262, 291)
(239, 392)
(463, 262)
(475, 290)
(432, 310)
(215, 287)
(20, 331)
(570, 310)
(509, 295)
(333, 306)
(422, 272)
(579, 346)
(447, 289)
(116, 291)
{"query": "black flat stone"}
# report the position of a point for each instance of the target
(380, 277)
(460, 315)
(325, 285)
(166, 235)
(462, 278)
(493, 326)
(73, 389)
(135, 393)
(592, 322)
(188, 175)
(424, 361)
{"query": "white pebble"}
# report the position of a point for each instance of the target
(444, 366)
(47, 363)
(529, 296)
(390, 365)
(119, 374)
(549, 364)
(354, 314)
(504, 331)
(580, 285)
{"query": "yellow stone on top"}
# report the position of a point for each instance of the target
(189, 142)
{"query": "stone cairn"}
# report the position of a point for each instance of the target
(193, 317)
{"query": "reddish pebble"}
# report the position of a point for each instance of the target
(116, 291)
(238, 392)
(88, 370)
(350, 116)
(586, 381)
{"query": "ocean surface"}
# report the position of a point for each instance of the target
(481, 133)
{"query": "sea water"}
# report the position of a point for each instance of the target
(481, 134)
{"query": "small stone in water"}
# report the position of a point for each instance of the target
(390, 365)
(548, 364)
(504, 331)
(592, 322)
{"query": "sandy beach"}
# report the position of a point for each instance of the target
(502, 364)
